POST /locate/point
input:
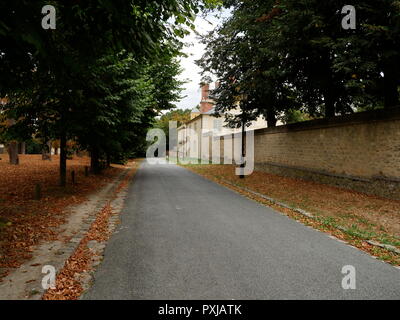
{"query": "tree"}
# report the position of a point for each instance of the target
(251, 76)
(370, 54)
(294, 55)
(306, 34)
(45, 71)
(178, 115)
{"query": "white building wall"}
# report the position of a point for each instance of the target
(189, 135)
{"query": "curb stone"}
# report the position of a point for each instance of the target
(74, 243)
(384, 246)
(117, 204)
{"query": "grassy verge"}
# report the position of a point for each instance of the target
(350, 216)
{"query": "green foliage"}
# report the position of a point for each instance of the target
(294, 116)
(33, 147)
(272, 57)
(100, 78)
(178, 115)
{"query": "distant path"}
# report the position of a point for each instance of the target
(184, 237)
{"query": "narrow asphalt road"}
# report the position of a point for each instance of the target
(184, 237)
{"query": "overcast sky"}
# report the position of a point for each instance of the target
(191, 72)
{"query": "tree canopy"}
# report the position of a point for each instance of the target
(100, 78)
(275, 57)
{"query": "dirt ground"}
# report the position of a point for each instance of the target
(24, 221)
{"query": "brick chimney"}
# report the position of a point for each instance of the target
(206, 103)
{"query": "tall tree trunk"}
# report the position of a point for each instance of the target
(391, 87)
(12, 147)
(13, 153)
(108, 160)
(326, 83)
(95, 161)
(63, 159)
(271, 118)
(46, 151)
(330, 111)
(22, 148)
(329, 101)
(56, 151)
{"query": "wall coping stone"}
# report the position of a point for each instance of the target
(389, 114)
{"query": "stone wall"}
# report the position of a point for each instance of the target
(359, 152)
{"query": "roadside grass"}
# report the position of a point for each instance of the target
(24, 221)
(349, 216)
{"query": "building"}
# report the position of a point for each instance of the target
(204, 124)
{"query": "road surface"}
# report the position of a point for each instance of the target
(184, 237)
